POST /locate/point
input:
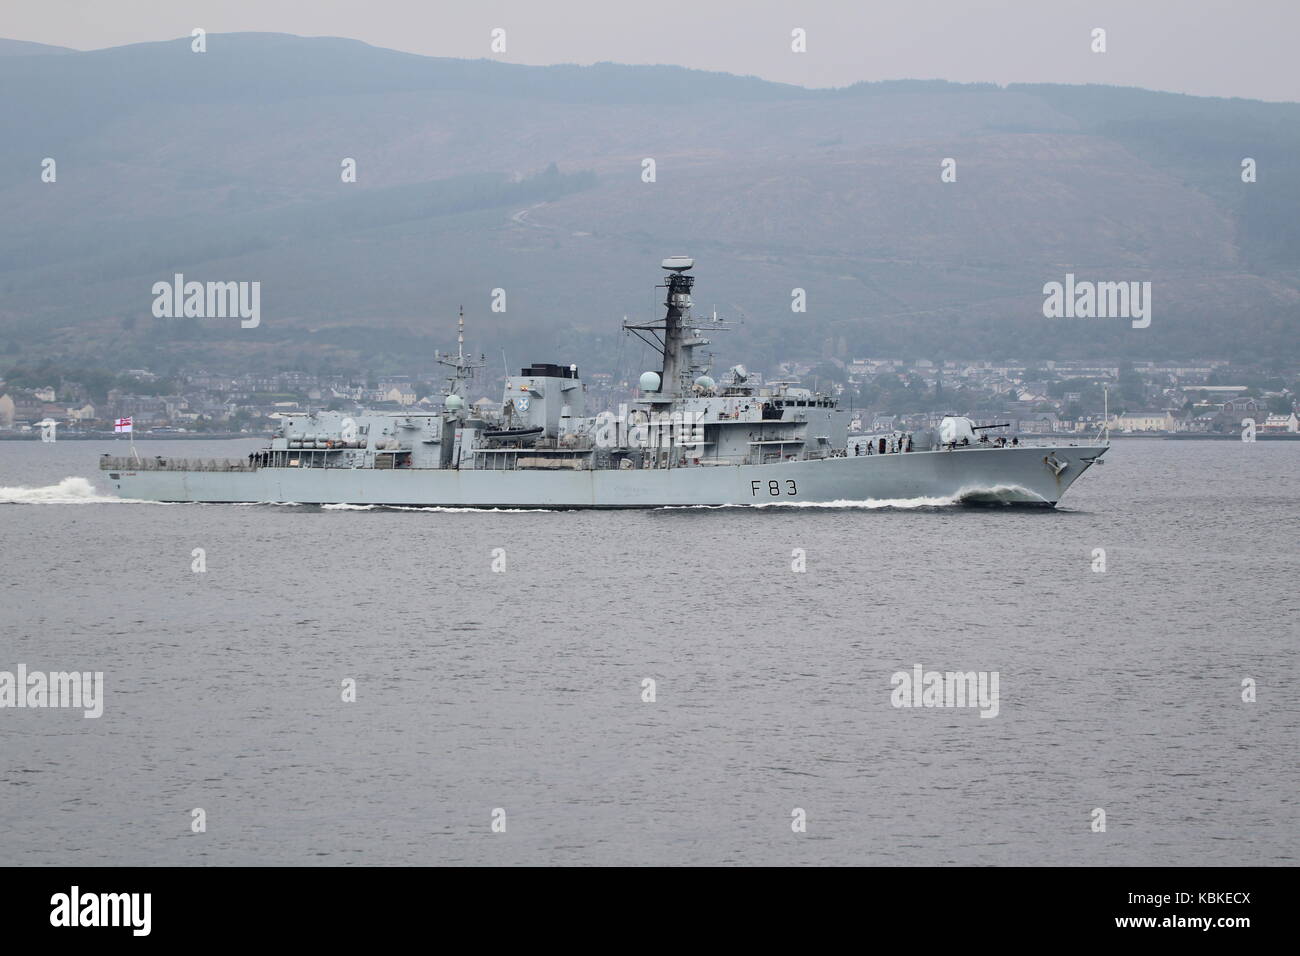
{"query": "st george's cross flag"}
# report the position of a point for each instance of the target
(122, 425)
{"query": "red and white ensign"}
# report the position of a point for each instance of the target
(122, 425)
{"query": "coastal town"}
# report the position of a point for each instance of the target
(1210, 398)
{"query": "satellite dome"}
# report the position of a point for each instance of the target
(455, 403)
(705, 381)
(649, 381)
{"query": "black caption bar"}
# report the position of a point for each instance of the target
(315, 904)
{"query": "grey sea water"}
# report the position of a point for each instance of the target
(522, 690)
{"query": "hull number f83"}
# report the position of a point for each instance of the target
(773, 487)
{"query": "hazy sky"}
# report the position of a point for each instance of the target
(1206, 47)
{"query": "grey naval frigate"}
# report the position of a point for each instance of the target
(685, 440)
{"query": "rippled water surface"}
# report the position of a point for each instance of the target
(522, 690)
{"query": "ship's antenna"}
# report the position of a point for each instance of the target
(462, 368)
(1105, 413)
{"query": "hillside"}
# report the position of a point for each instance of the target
(26, 48)
(475, 175)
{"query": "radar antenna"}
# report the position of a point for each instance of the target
(674, 336)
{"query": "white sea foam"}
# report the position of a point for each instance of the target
(69, 491)
(1003, 493)
(503, 511)
(346, 506)
(869, 503)
(460, 510)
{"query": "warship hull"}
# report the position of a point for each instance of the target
(1025, 476)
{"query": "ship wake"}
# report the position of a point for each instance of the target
(870, 504)
(69, 491)
(1000, 495)
(443, 509)
(973, 496)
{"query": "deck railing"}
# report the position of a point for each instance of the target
(113, 463)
